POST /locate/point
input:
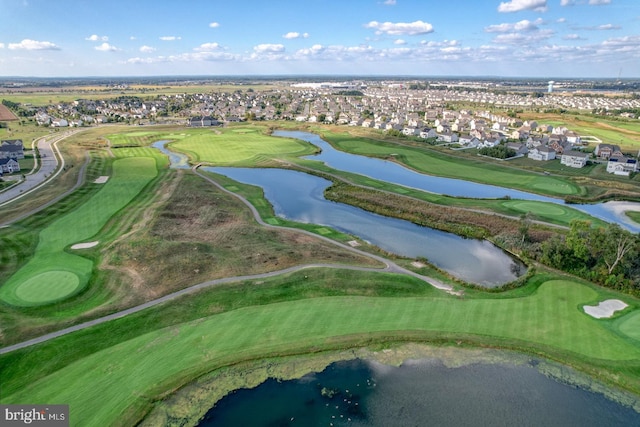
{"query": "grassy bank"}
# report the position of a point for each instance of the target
(110, 378)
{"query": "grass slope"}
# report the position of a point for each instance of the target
(104, 385)
(53, 273)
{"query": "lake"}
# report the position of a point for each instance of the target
(300, 197)
(419, 393)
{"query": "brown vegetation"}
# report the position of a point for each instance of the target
(202, 234)
(6, 115)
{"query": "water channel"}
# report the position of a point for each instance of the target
(391, 172)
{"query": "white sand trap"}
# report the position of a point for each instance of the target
(85, 245)
(605, 308)
(101, 180)
(353, 243)
(418, 264)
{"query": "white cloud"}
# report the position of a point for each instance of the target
(95, 38)
(603, 27)
(207, 47)
(572, 37)
(524, 25)
(390, 2)
(518, 5)
(399, 42)
(523, 39)
(106, 47)
(1, 45)
(270, 48)
(170, 38)
(401, 28)
(295, 35)
(147, 49)
(561, 20)
(599, 2)
(214, 25)
(132, 38)
(28, 44)
(567, 2)
(217, 56)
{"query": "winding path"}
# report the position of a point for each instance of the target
(390, 267)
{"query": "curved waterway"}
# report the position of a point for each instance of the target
(392, 172)
(300, 197)
(419, 393)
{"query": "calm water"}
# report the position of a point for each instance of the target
(299, 197)
(384, 170)
(177, 160)
(419, 393)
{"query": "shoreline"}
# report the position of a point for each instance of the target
(189, 403)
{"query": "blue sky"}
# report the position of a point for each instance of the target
(520, 38)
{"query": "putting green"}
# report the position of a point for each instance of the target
(630, 325)
(540, 208)
(48, 286)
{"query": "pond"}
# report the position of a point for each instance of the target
(300, 197)
(392, 172)
(418, 393)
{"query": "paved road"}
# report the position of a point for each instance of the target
(389, 267)
(50, 158)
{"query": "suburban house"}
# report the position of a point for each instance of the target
(520, 149)
(448, 137)
(428, 133)
(9, 166)
(542, 153)
(574, 159)
(621, 165)
(604, 151)
(203, 121)
(11, 149)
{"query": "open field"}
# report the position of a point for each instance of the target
(125, 377)
(58, 274)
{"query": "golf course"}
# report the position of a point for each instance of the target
(187, 273)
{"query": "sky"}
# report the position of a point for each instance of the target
(512, 38)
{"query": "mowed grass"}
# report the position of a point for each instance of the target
(434, 163)
(53, 273)
(238, 146)
(557, 214)
(103, 386)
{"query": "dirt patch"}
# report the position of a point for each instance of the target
(101, 180)
(605, 309)
(6, 115)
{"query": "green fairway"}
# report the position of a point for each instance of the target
(52, 273)
(106, 383)
(634, 215)
(438, 164)
(238, 146)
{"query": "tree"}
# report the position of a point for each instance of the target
(525, 225)
(614, 245)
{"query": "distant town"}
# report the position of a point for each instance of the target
(481, 114)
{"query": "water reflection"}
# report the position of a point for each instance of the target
(422, 392)
(300, 197)
(384, 170)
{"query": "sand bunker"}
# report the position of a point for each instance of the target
(605, 308)
(101, 180)
(85, 245)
